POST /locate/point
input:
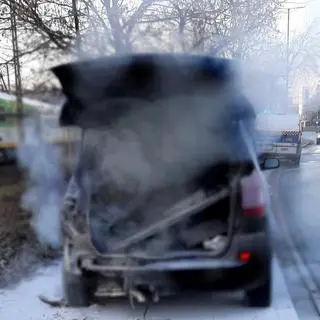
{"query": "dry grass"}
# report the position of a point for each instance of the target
(19, 248)
(14, 222)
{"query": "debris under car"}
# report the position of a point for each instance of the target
(166, 196)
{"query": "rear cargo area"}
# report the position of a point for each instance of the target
(116, 218)
(161, 145)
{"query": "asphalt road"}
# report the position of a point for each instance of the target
(296, 225)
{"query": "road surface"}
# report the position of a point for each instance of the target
(296, 195)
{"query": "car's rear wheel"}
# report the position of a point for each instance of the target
(297, 162)
(262, 296)
(78, 287)
(76, 291)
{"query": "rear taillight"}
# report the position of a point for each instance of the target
(254, 212)
(252, 196)
(244, 256)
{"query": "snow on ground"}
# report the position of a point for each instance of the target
(22, 303)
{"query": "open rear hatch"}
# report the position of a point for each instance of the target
(171, 134)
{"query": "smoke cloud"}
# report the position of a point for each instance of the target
(45, 187)
(156, 146)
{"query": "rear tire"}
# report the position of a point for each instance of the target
(261, 297)
(78, 288)
(297, 163)
(76, 291)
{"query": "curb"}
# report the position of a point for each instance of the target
(291, 311)
(305, 273)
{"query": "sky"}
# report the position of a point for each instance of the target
(300, 18)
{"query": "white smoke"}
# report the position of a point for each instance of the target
(155, 145)
(161, 144)
(45, 185)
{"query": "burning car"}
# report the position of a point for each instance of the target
(166, 196)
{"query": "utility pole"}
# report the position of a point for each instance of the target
(287, 57)
(77, 26)
(16, 62)
(289, 10)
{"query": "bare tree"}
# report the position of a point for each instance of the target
(304, 56)
(230, 28)
(305, 53)
(49, 25)
(47, 29)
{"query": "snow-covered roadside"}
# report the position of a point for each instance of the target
(22, 303)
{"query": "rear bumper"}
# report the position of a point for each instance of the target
(245, 277)
(208, 276)
(192, 271)
(277, 155)
(286, 157)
